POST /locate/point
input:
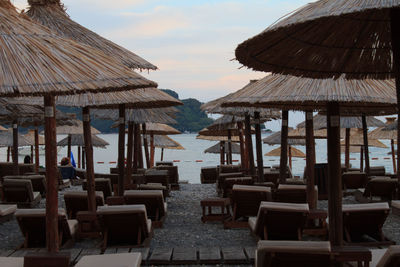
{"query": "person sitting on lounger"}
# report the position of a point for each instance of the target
(66, 169)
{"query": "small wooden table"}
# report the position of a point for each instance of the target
(224, 203)
(361, 255)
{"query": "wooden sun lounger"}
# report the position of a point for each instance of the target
(157, 176)
(291, 193)
(7, 212)
(230, 182)
(153, 200)
(155, 186)
(11, 262)
(388, 257)
(20, 192)
(382, 187)
(100, 184)
(365, 220)
(208, 175)
(124, 225)
(107, 260)
(293, 254)
(76, 201)
(32, 223)
(38, 182)
(377, 171)
(354, 180)
(173, 174)
(246, 201)
(279, 221)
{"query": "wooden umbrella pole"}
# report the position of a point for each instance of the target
(121, 150)
(36, 149)
(310, 160)
(51, 175)
(31, 154)
(362, 158)
(140, 150)
(129, 154)
(347, 149)
(260, 163)
(290, 156)
(136, 147)
(69, 146)
(15, 148)
(242, 157)
(83, 158)
(79, 156)
(393, 155)
(229, 153)
(395, 34)
(284, 147)
(152, 150)
(334, 176)
(162, 154)
(87, 135)
(146, 146)
(366, 149)
(8, 154)
(249, 145)
(222, 152)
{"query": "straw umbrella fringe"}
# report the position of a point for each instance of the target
(78, 140)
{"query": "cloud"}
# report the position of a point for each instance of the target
(106, 4)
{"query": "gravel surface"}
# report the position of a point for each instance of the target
(183, 227)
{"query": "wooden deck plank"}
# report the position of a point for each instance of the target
(250, 253)
(160, 256)
(184, 256)
(210, 255)
(143, 251)
(234, 255)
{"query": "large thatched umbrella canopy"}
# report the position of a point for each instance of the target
(220, 132)
(6, 139)
(275, 139)
(156, 115)
(216, 149)
(77, 128)
(52, 14)
(160, 129)
(166, 142)
(31, 137)
(78, 140)
(217, 138)
(295, 153)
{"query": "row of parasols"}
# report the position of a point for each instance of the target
(339, 57)
(47, 59)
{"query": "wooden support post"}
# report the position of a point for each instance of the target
(347, 149)
(31, 154)
(229, 153)
(8, 153)
(395, 34)
(393, 155)
(79, 156)
(15, 148)
(87, 135)
(334, 176)
(152, 150)
(146, 146)
(242, 156)
(366, 149)
(51, 175)
(284, 147)
(129, 154)
(249, 145)
(140, 150)
(69, 147)
(162, 154)
(362, 158)
(260, 162)
(121, 150)
(83, 158)
(222, 152)
(290, 156)
(136, 147)
(36, 149)
(310, 160)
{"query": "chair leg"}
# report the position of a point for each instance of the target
(105, 237)
(139, 236)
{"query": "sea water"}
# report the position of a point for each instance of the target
(190, 160)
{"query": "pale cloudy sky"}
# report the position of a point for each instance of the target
(191, 41)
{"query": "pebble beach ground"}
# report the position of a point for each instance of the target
(183, 227)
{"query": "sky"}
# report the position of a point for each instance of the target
(191, 42)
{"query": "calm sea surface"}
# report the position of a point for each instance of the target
(189, 169)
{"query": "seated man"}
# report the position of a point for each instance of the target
(67, 171)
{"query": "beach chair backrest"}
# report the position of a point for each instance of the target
(152, 199)
(18, 190)
(100, 184)
(390, 258)
(354, 180)
(246, 199)
(38, 181)
(321, 179)
(382, 187)
(76, 201)
(292, 193)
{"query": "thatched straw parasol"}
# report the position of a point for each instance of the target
(295, 153)
(7, 140)
(275, 139)
(217, 138)
(31, 137)
(165, 142)
(216, 149)
(345, 122)
(160, 129)
(51, 13)
(78, 140)
(35, 61)
(359, 39)
(138, 116)
(75, 129)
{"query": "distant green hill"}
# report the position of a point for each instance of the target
(190, 117)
